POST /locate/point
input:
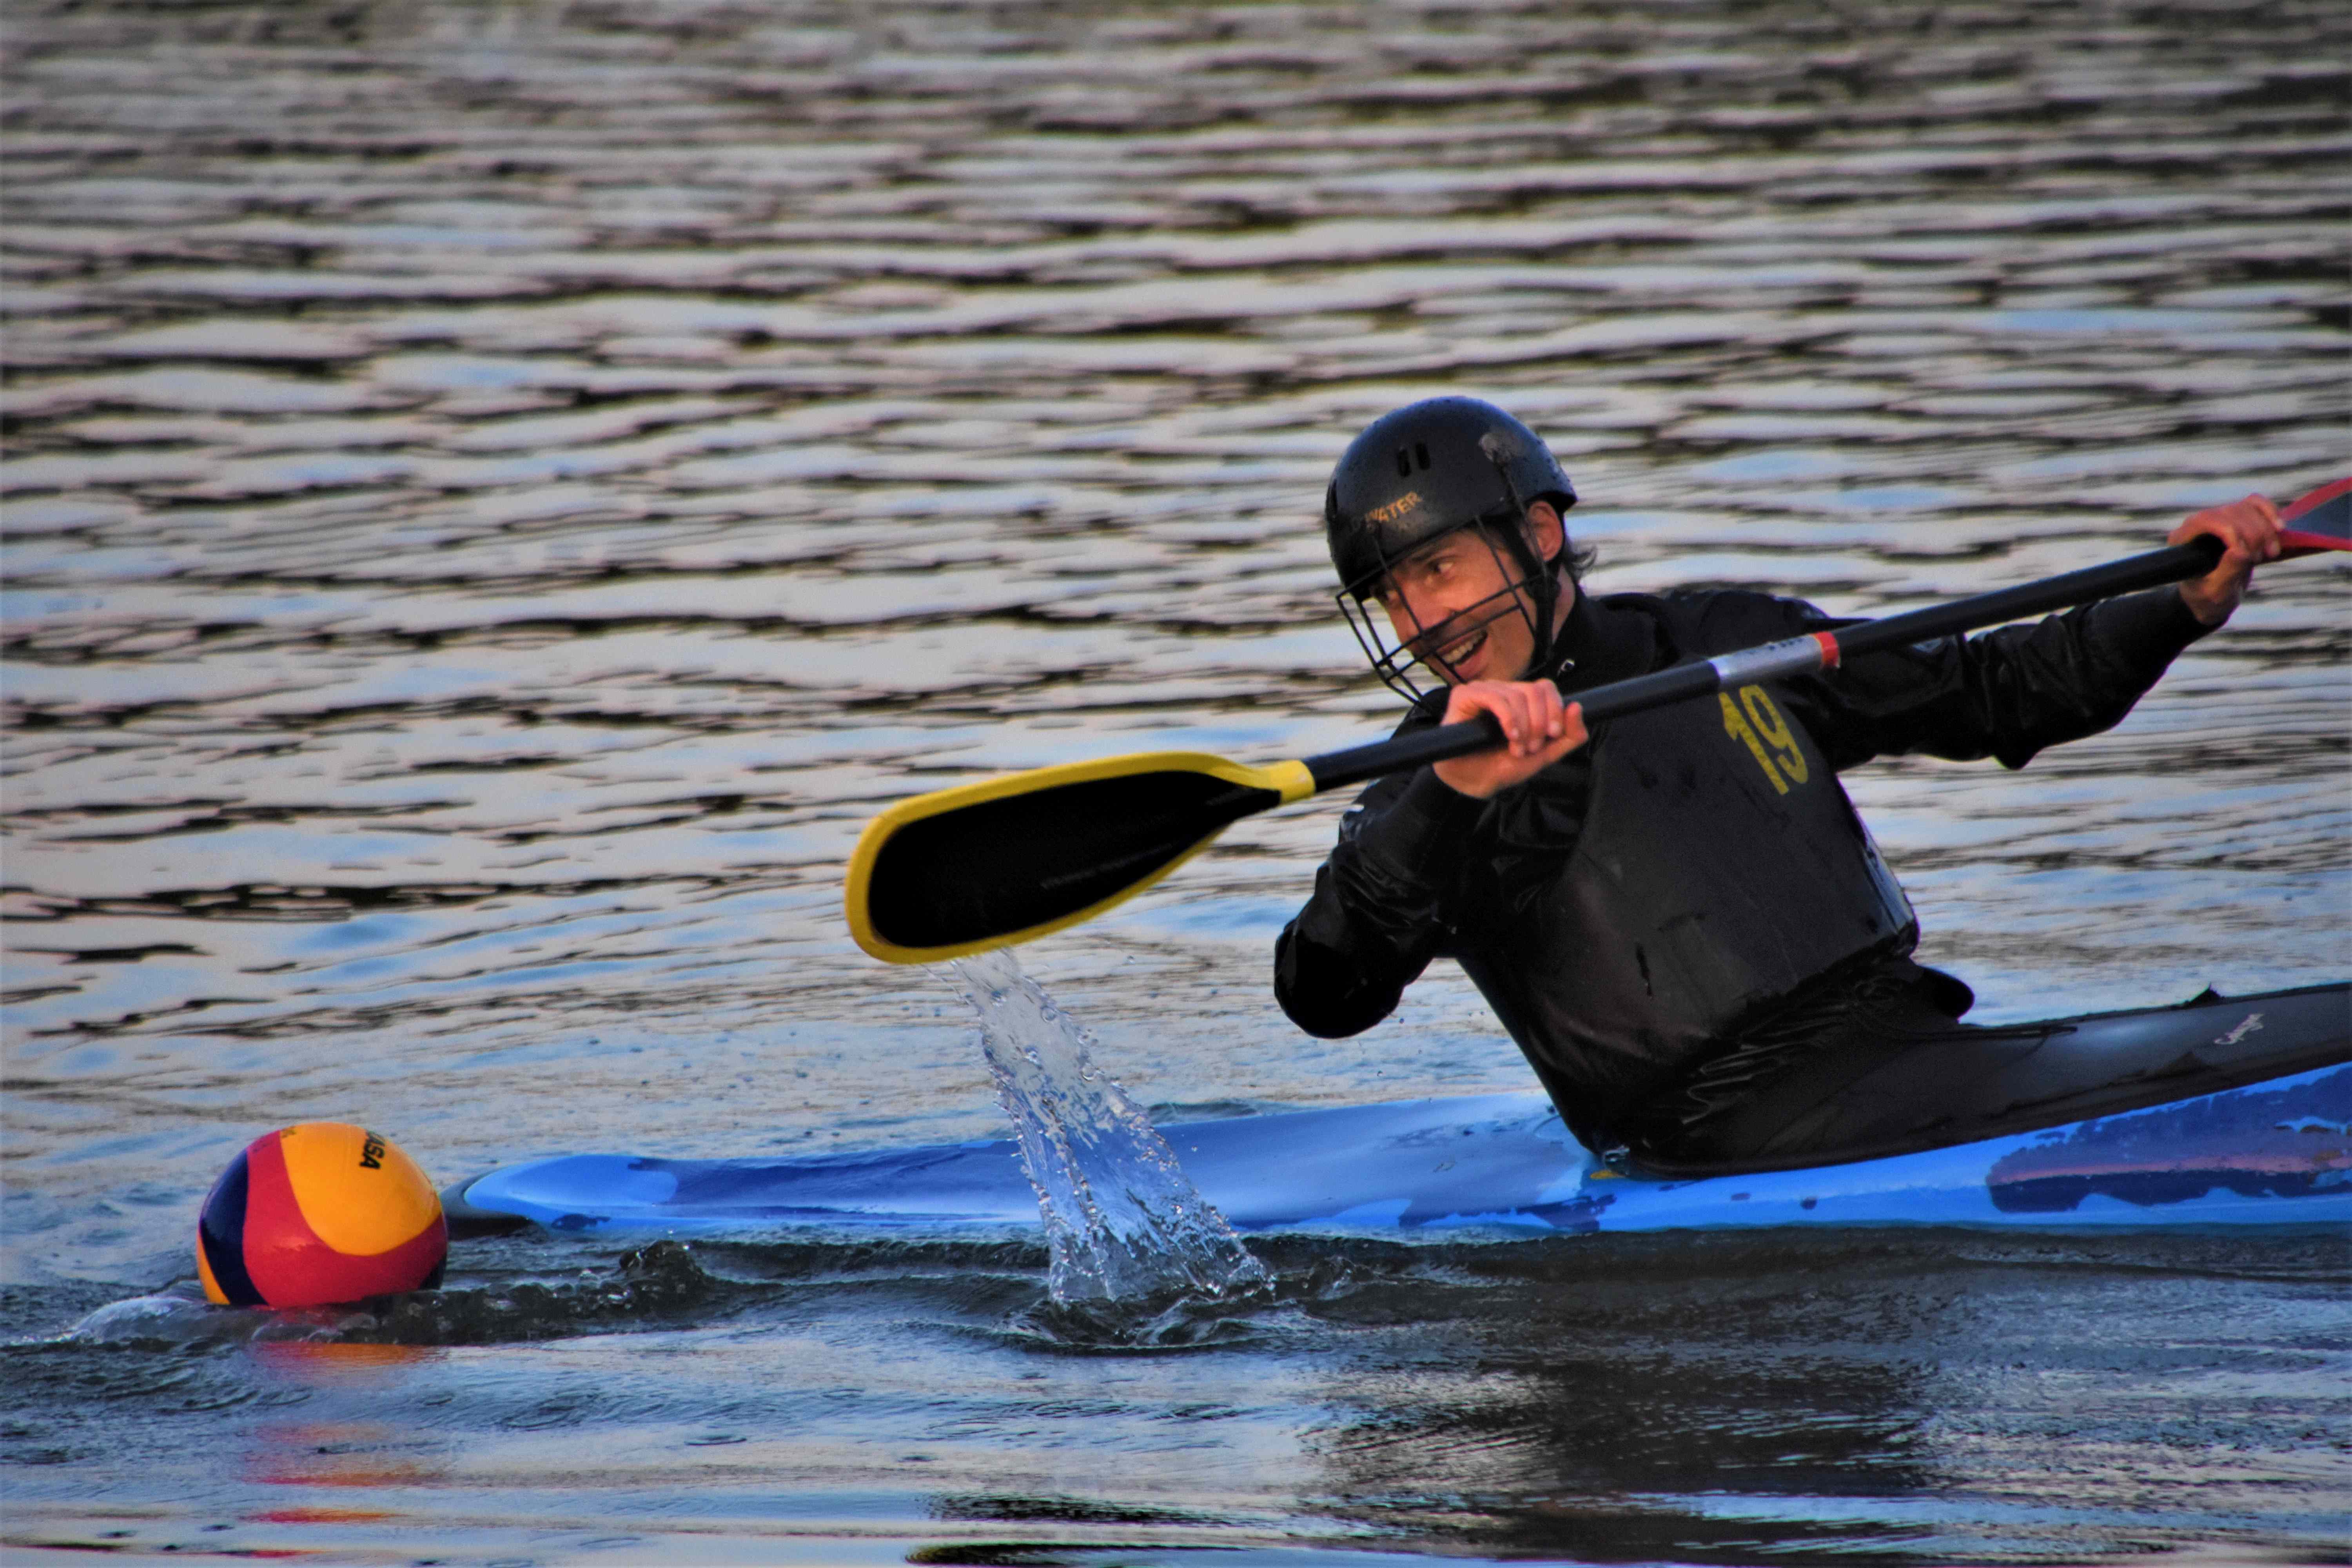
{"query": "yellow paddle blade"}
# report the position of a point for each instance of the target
(987, 865)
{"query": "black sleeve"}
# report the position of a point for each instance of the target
(2005, 694)
(1377, 915)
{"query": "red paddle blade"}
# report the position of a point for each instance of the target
(2319, 521)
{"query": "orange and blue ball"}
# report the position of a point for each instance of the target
(319, 1212)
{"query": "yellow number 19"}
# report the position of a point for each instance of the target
(1754, 720)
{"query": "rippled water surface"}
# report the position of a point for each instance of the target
(496, 494)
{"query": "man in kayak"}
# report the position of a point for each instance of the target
(1683, 924)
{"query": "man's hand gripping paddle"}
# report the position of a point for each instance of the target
(991, 864)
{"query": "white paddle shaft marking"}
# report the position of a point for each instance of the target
(1793, 656)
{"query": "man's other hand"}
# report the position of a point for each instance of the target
(1538, 728)
(2249, 528)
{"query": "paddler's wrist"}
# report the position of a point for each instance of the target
(1420, 828)
(1437, 802)
(2157, 623)
(2218, 610)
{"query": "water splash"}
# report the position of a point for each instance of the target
(1124, 1222)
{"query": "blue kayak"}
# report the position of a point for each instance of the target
(2220, 1111)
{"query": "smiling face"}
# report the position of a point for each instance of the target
(1460, 605)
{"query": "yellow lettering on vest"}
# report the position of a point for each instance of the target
(1736, 725)
(1775, 730)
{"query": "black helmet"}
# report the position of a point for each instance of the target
(1420, 473)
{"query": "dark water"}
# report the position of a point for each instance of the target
(497, 494)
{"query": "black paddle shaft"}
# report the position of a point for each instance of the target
(1797, 655)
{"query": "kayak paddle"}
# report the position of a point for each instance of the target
(1011, 859)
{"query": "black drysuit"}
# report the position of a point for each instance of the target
(1693, 879)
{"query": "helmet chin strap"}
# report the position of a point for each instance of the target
(1546, 661)
(1542, 578)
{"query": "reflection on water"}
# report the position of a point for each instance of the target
(1927, 1396)
(497, 494)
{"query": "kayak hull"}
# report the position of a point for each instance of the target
(2274, 1150)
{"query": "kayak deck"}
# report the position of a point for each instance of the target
(2270, 1142)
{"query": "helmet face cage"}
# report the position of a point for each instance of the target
(1457, 462)
(1393, 661)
